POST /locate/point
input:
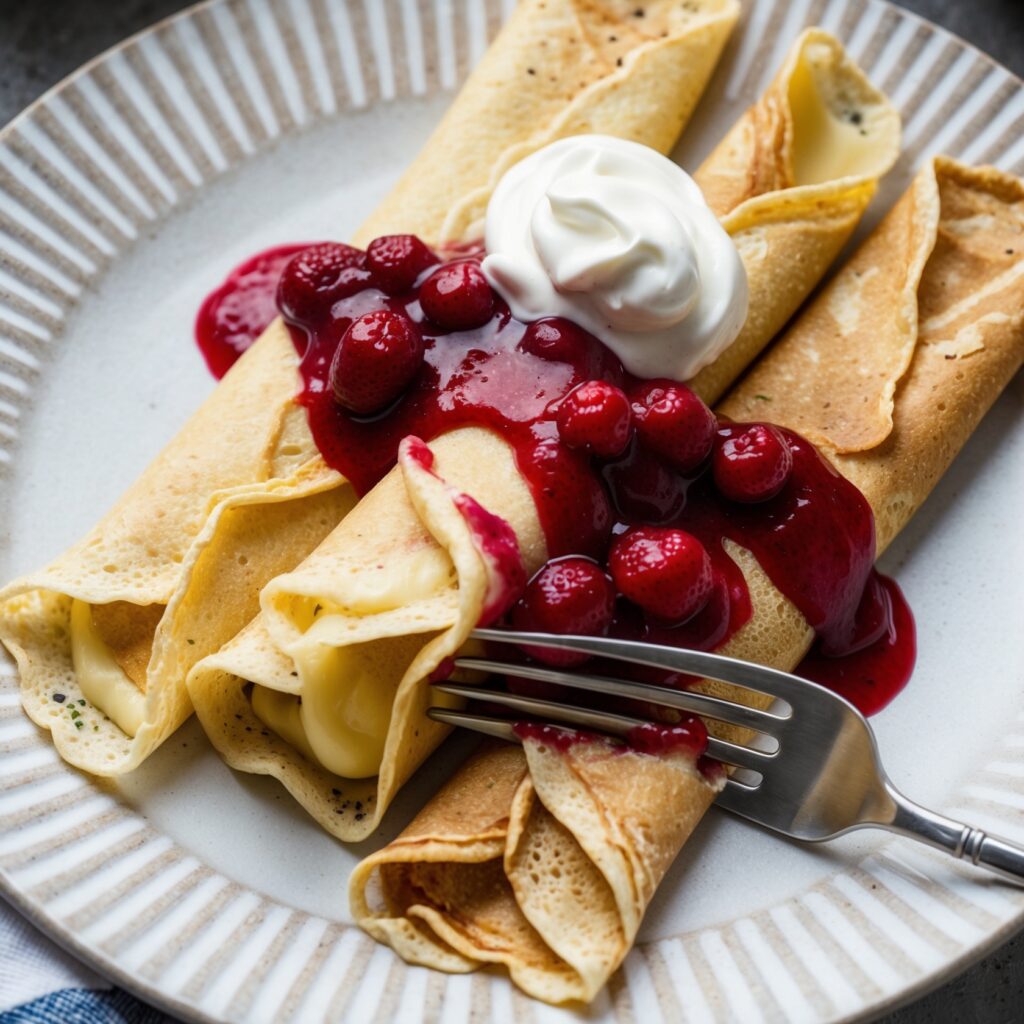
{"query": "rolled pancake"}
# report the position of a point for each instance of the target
(235, 498)
(241, 494)
(557, 68)
(788, 223)
(474, 878)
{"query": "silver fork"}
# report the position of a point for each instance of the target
(812, 773)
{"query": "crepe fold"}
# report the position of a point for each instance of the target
(174, 570)
(940, 316)
(242, 494)
(557, 68)
(352, 634)
(788, 228)
(790, 182)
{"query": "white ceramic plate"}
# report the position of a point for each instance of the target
(125, 195)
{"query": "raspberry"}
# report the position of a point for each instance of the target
(317, 278)
(457, 296)
(666, 572)
(376, 361)
(674, 422)
(596, 417)
(751, 463)
(397, 261)
(568, 596)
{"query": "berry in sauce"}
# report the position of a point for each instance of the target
(752, 465)
(571, 596)
(318, 277)
(667, 572)
(672, 421)
(457, 296)
(376, 360)
(596, 417)
(396, 261)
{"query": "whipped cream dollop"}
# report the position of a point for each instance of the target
(619, 239)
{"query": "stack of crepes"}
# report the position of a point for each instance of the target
(326, 690)
(544, 859)
(241, 494)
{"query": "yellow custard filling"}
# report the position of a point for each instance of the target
(104, 683)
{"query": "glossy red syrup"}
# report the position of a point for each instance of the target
(814, 539)
(240, 310)
(878, 657)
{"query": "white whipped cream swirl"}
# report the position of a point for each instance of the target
(617, 238)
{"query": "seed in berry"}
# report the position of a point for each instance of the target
(667, 572)
(568, 596)
(318, 277)
(751, 463)
(397, 261)
(376, 361)
(457, 296)
(596, 417)
(674, 422)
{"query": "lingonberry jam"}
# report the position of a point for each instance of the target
(698, 483)
(239, 311)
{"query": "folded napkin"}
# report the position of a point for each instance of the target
(41, 984)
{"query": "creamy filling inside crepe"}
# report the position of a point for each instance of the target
(835, 133)
(103, 681)
(347, 692)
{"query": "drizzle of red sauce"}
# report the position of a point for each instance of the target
(875, 661)
(815, 539)
(233, 316)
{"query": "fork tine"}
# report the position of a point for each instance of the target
(675, 659)
(683, 700)
(600, 721)
(478, 723)
(741, 800)
(733, 753)
(547, 710)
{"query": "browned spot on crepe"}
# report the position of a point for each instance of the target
(128, 630)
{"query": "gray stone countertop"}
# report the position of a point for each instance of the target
(42, 42)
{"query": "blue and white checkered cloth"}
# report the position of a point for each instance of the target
(41, 984)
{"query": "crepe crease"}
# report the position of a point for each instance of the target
(788, 229)
(238, 496)
(944, 325)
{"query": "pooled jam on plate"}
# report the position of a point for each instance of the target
(640, 490)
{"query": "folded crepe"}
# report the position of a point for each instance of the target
(105, 636)
(557, 68)
(788, 224)
(542, 858)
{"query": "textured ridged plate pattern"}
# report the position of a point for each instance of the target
(125, 192)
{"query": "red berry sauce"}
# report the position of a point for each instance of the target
(814, 537)
(240, 310)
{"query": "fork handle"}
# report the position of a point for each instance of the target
(962, 841)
